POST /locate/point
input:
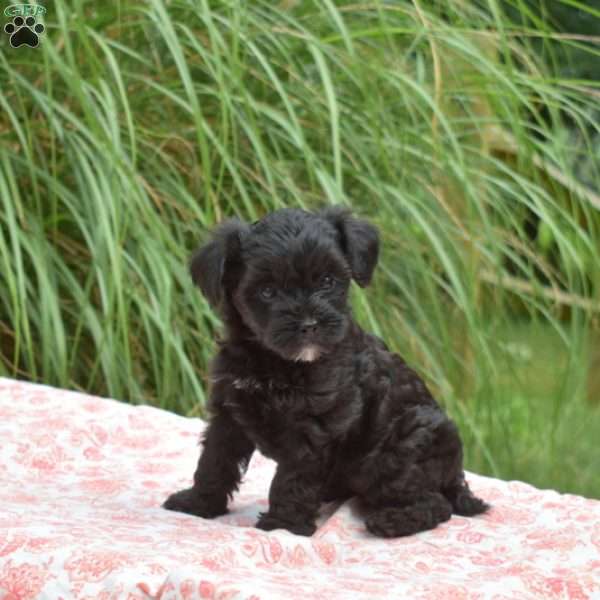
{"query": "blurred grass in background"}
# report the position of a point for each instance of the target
(454, 126)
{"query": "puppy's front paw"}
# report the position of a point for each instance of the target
(268, 522)
(190, 501)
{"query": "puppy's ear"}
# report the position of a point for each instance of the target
(211, 263)
(359, 241)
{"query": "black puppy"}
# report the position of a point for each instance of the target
(298, 379)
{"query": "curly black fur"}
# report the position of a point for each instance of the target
(298, 379)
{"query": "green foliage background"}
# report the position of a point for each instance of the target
(135, 126)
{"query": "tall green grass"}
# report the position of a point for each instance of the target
(134, 127)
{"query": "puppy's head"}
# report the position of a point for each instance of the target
(286, 277)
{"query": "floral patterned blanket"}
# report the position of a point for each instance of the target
(82, 480)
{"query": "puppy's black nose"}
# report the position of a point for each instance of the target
(308, 326)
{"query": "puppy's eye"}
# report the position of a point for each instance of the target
(327, 282)
(267, 293)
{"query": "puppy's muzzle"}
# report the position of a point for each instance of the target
(308, 327)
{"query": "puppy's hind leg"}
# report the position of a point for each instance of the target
(424, 512)
(463, 501)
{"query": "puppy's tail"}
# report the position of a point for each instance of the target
(464, 502)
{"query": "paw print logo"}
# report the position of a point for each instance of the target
(24, 31)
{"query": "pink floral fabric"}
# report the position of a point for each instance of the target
(82, 480)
